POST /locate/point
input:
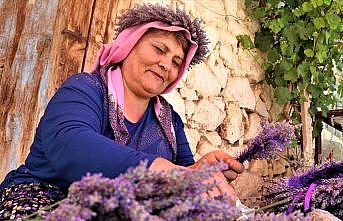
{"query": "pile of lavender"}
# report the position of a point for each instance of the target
(319, 188)
(141, 194)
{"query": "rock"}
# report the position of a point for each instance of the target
(322, 215)
(219, 102)
(250, 67)
(253, 128)
(205, 147)
(275, 111)
(266, 96)
(213, 137)
(174, 98)
(208, 115)
(229, 57)
(232, 128)
(248, 184)
(261, 108)
(188, 94)
(238, 90)
(279, 166)
(193, 138)
(203, 81)
(221, 72)
(189, 108)
(259, 166)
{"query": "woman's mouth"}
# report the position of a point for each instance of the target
(158, 76)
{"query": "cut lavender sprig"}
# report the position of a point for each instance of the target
(273, 138)
(317, 174)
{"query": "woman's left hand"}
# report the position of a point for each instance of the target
(213, 157)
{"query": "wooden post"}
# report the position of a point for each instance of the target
(307, 131)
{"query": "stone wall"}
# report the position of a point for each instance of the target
(222, 101)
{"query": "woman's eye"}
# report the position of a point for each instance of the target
(176, 63)
(158, 49)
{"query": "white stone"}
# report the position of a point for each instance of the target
(249, 67)
(189, 108)
(261, 108)
(221, 72)
(203, 81)
(254, 126)
(188, 94)
(193, 138)
(238, 90)
(175, 99)
(213, 137)
(205, 147)
(229, 57)
(232, 128)
(266, 96)
(230, 7)
(212, 34)
(219, 102)
(208, 115)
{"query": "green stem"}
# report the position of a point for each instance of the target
(41, 209)
(287, 200)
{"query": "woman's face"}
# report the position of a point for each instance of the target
(152, 64)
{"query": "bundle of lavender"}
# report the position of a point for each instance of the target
(273, 138)
(319, 188)
(141, 194)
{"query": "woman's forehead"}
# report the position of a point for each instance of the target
(169, 39)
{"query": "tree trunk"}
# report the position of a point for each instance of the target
(307, 131)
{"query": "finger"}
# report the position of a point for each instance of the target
(214, 192)
(227, 189)
(230, 175)
(234, 165)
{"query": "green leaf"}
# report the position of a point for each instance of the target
(309, 53)
(276, 25)
(327, 2)
(291, 75)
(298, 12)
(317, 3)
(259, 13)
(303, 68)
(282, 95)
(273, 56)
(307, 7)
(319, 23)
(264, 40)
(334, 21)
(246, 41)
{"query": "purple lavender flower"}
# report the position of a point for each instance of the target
(273, 138)
(317, 174)
(296, 216)
(140, 194)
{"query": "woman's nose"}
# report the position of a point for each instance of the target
(165, 64)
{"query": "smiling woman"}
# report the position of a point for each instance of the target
(113, 118)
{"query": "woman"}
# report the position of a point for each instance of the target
(113, 118)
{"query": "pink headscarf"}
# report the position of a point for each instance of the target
(120, 48)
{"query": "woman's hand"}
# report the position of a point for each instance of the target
(213, 157)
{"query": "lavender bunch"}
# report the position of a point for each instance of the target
(141, 194)
(273, 138)
(296, 216)
(317, 174)
(327, 195)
